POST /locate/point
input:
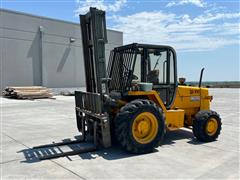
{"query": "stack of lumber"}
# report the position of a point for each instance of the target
(27, 92)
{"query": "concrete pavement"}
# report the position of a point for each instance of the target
(25, 124)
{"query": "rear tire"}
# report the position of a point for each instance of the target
(139, 126)
(207, 126)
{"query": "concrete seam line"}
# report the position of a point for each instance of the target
(5, 162)
(15, 140)
(50, 160)
(68, 170)
(211, 147)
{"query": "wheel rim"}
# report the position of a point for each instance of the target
(145, 127)
(212, 126)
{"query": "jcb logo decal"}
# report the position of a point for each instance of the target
(194, 91)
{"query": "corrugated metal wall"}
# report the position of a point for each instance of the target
(37, 51)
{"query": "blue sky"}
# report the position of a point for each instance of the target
(204, 33)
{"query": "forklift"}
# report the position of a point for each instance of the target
(137, 98)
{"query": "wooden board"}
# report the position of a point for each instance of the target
(27, 92)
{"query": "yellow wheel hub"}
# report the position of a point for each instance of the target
(212, 126)
(145, 127)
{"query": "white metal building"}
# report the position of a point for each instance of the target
(37, 50)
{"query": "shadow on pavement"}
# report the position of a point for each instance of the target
(172, 136)
(113, 153)
(33, 155)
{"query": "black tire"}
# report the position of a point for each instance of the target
(124, 122)
(200, 125)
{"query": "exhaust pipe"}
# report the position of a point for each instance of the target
(200, 80)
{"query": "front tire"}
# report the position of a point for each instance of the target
(207, 126)
(139, 126)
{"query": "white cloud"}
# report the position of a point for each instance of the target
(182, 32)
(212, 17)
(83, 6)
(198, 3)
(210, 30)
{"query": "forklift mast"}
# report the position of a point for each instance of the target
(92, 118)
(92, 121)
(94, 38)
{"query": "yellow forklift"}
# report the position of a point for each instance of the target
(137, 98)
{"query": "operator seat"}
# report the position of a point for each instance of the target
(153, 76)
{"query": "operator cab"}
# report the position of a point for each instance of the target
(137, 63)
